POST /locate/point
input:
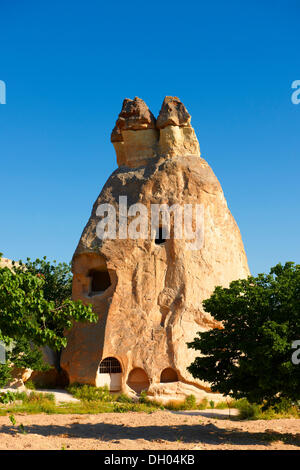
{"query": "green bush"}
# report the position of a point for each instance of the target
(90, 393)
(30, 385)
(282, 409)
(5, 374)
(7, 397)
(32, 403)
(144, 398)
(247, 410)
(121, 407)
(34, 397)
(123, 398)
(222, 405)
(203, 405)
(190, 402)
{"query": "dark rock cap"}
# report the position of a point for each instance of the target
(172, 113)
(135, 115)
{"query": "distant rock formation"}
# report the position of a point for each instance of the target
(6, 263)
(148, 293)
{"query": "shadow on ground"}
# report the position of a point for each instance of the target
(216, 414)
(196, 433)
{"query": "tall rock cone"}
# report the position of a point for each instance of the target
(148, 291)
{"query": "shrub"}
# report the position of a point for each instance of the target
(5, 374)
(34, 397)
(30, 385)
(123, 398)
(203, 404)
(247, 410)
(190, 402)
(144, 398)
(89, 392)
(7, 397)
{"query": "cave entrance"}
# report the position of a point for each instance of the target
(100, 281)
(168, 375)
(138, 380)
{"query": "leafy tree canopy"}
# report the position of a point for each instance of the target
(251, 355)
(35, 303)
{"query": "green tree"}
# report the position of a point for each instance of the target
(57, 284)
(30, 310)
(23, 354)
(250, 355)
(57, 278)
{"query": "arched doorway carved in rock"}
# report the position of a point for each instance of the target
(168, 375)
(138, 380)
(110, 374)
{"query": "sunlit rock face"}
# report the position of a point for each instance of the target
(148, 292)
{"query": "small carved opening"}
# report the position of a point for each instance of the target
(110, 365)
(160, 236)
(100, 281)
(138, 380)
(168, 375)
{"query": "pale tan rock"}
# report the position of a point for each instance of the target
(149, 296)
(166, 392)
(7, 263)
(19, 377)
(139, 146)
(175, 140)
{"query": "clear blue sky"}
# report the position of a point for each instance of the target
(69, 64)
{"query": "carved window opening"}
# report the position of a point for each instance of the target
(110, 365)
(100, 281)
(169, 375)
(160, 236)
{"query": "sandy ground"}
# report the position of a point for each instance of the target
(161, 430)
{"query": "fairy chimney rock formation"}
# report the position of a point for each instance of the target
(138, 137)
(148, 291)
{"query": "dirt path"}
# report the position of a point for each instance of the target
(159, 430)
